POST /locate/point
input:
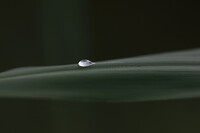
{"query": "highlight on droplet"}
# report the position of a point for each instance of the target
(85, 63)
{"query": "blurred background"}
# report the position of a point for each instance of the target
(56, 32)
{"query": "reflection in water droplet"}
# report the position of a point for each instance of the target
(85, 63)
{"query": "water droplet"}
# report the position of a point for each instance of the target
(85, 63)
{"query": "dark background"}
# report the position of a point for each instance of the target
(47, 32)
